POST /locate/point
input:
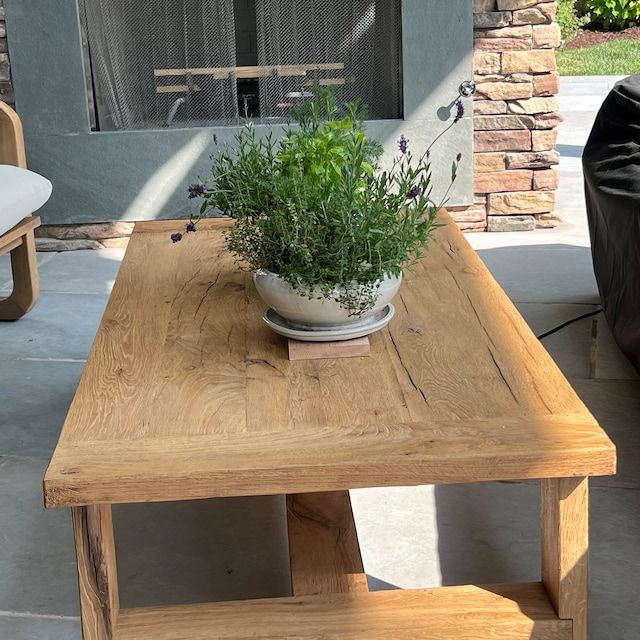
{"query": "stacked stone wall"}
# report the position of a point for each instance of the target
(515, 116)
(6, 90)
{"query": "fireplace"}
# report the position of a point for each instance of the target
(129, 95)
(155, 63)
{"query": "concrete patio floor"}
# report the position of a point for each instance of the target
(410, 537)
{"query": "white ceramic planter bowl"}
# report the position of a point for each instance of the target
(309, 313)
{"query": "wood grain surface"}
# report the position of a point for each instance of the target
(356, 348)
(509, 612)
(97, 574)
(187, 394)
(20, 241)
(11, 138)
(323, 544)
(565, 547)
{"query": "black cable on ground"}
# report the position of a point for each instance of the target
(568, 322)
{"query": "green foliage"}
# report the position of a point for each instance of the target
(315, 209)
(614, 14)
(615, 58)
(570, 18)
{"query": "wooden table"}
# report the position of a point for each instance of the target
(186, 394)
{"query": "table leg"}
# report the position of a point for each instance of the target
(564, 548)
(97, 577)
(323, 544)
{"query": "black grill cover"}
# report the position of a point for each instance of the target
(611, 163)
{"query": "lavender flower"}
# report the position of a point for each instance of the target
(176, 237)
(414, 192)
(196, 190)
(190, 227)
(459, 110)
(403, 144)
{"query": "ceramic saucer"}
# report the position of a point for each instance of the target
(329, 334)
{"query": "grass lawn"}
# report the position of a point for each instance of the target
(615, 58)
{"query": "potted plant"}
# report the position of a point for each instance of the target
(325, 232)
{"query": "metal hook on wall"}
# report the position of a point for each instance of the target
(467, 89)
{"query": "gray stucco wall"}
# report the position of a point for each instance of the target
(134, 175)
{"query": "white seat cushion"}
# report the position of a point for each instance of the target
(21, 193)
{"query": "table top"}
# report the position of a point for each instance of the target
(187, 394)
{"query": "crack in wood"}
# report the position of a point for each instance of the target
(313, 517)
(206, 293)
(102, 586)
(402, 364)
(502, 375)
(96, 572)
(266, 363)
(404, 304)
(490, 339)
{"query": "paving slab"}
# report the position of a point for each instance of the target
(584, 349)
(616, 406)
(581, 100)
(543, 273)
(39, 628)
(488, 532)
(577, 124)
(571, 346)
(82, 271)
(610, 363)
(60, 326)
(6, 281)
(37, 561)
(614, 558)
(571, 197)
(36, 397)
(202, 551)
(588, 84)
(414, 537)
(398, 535)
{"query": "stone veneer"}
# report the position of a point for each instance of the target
(6, 91)
(516, 119)
(516, 116)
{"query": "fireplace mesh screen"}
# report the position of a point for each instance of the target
(174, 63)
(352, 46)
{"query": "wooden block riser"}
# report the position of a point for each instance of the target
(300, 350)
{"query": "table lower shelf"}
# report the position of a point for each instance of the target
(501, 612)
(330, 598)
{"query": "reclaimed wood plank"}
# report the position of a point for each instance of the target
(256, 463)
(357, 348)
(177, 88)
(504, 612)
(97, 574)
(323, 544)
(565, 548)
(251, 71)
(186, 393)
